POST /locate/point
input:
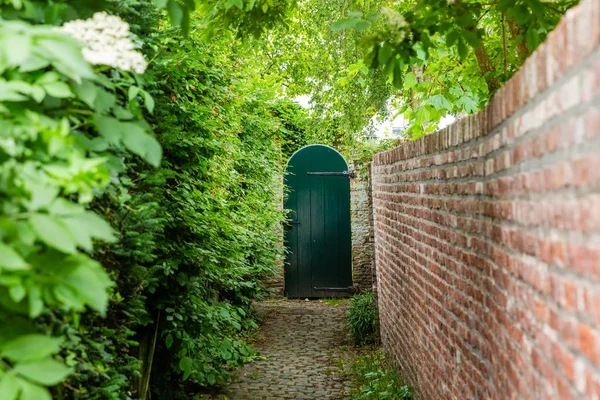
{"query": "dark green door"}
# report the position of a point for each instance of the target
(318, 263)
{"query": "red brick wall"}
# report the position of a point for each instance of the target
(487, 236)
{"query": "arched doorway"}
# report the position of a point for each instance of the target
(318, 239)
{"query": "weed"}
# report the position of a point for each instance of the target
(335, 301)
(373, 378)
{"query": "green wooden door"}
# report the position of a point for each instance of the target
(318, 262)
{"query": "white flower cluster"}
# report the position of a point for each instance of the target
(107, 42)
(396, 24)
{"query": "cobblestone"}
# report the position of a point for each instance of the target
(300, 340)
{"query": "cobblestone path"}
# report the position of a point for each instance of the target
(301, 340)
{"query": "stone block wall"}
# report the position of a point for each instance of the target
(487, 236)
(361, 213)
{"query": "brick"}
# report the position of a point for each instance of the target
(488, 236)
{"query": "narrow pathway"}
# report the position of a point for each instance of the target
(301, 341)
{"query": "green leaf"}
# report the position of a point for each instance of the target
(169, 341)
(451, 38)
(536, 7)
(148, 101)
(31, 348)
(123, 114)
(211, 379)
(384, 54)
(439, 102)
(20, 47)
(36, 305)
(46, 372)
(96, 226)
(362, 25)
(397, 79)
(520, 14)
(110, 128)
(90, 283)
(30, 391)
(80, 233)
(104, 101)
(533, 38)
(175, 12)
(33, 63)
(471, 38)
(10, 259)
(42, 193)
(133, 92)
(345, 23)
(66, 55)
(9, 387)
(467, 103)
(238, 3)
(47, 78)
(141, 143)
(410, 80)
(68, 297)
(17, 293)
(463, 51)
(186, 366)
(86, 91)
(504, 4)
(467, 20)
(53, 232)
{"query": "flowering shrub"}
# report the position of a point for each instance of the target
(62, 126)
(107, 41)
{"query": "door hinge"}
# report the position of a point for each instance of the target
(346, 174)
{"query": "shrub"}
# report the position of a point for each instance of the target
(361, 319)
(374, 379)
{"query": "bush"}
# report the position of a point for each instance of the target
(361, 319)
(374, 379)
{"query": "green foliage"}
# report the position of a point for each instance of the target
(306, 57)
(79, 309)
(221, 166)
(245, 17)
(374, 379)
(56, 156)
(361, 320)
(450, 57)
(294, 125)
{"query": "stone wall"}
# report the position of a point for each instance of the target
(487, 236)
(362, 233)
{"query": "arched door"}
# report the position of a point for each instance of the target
(318, 238)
